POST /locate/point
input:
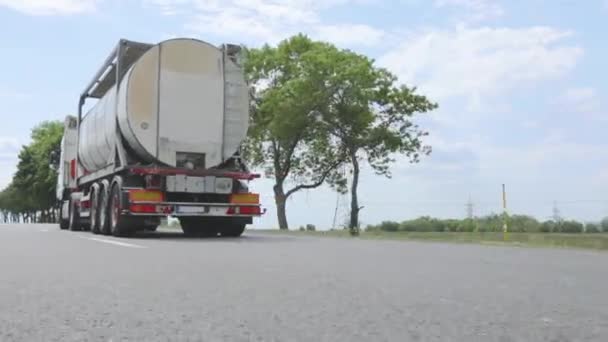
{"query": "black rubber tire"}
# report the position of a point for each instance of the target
(63, 224)
(150, 228)
(198, 226)
(120, 226)
(74, 223)
(95, 208)
(232, 229)
(104, 218)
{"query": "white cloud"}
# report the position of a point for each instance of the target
(583, 100)
(12, 94)
(256, 21)
(50, 7)
(350, 34)
(8, 146)
(479, 62)
(476, 10)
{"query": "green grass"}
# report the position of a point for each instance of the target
(583, 241)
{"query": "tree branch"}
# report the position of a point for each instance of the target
(316, 184)
(290, 152)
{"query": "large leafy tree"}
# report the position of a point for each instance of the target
(286, 138)
(368, 113)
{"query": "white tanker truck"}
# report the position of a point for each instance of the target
(161, 140)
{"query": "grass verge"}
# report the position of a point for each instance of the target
(582, 241)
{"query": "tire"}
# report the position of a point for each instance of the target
(74, 223)
(95, 209)
(150, 228)
(103, 198)
(120, 225)
(198, 226)
(63, 224)
(232, 229)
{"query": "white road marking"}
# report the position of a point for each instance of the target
(117, 243)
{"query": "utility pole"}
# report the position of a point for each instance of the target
(505, 229)
(470, 209)
(557, 217)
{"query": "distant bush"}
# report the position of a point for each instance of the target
(302, 228)
(371, 228)
(489, 223)
(424, 224)
(311, 227)
(604, 224)
(524, 224)
(467, 225)
(389, 226)
(592, 228)
(451, 225)
(570, 227)
(548, 227)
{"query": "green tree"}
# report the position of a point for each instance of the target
(523, 224)
(368, 114)
(285, 137)
(604, 224)
(32, 190)
(592, 228)
(548, 227)
(570, 227)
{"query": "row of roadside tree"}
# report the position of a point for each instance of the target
(30, 197)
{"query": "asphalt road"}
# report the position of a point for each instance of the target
(74, 286)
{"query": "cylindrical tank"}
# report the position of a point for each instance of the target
(182, 103)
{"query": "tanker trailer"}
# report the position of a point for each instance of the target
(161, 138)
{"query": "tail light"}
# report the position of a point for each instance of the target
(247, 209)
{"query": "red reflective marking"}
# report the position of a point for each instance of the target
(244, 211)
(73, 168)
(178, 171)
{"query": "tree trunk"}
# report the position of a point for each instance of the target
(281, 201)
(354, 201)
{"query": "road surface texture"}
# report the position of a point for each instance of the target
(74, 286)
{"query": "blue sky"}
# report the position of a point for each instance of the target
(521, 87)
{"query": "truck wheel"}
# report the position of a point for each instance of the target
(95, 209)
(104, 217)
(74, 224)
(119, 224)
(150, 228)
(198, 226)
(232, 229)
(63, 224)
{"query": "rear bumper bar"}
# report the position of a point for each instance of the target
(177, 209)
